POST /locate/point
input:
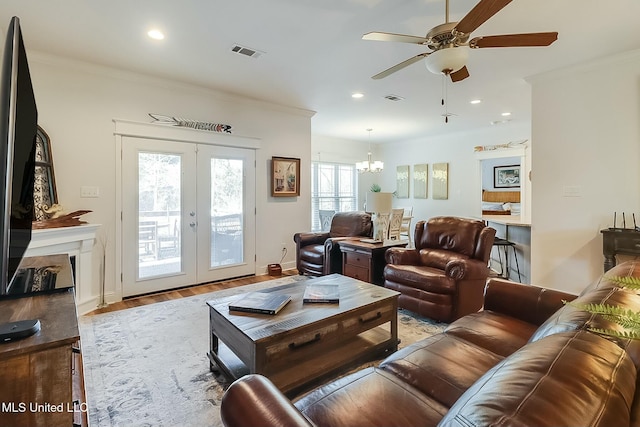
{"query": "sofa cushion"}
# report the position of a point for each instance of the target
(370, 397)
(459, 235)
(569, 318)
(313, 254)
(496, 332)
(439, 258)
(419, 277)
(532, 304)
(566, 379)
(626, 269)
(346, 224)
(439, 366)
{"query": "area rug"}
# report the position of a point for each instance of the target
(147, 366)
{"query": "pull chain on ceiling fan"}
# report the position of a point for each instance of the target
(449, 43)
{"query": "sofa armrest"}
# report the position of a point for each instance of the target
(253, 400)
(468, 269)
(332, 255)
(304, 239)
(529, 303)
(401, 256)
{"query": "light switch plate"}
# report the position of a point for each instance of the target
(89, 191)
(572, 191)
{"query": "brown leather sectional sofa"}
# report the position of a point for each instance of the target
(525, 359)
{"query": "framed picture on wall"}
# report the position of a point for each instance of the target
(506, 176)
(420, 181)
(440, 181)
(402, 182)
(285, 177)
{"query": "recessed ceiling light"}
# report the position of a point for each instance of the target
(476, 101)
(156, 34)
(506, 114)
(357, 95)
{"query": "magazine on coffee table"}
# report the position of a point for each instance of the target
(260, 302)
(317, 293)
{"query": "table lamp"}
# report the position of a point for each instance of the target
(379, 204)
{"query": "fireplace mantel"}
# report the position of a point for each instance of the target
(78, 242)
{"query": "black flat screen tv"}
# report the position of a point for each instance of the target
(18, 127)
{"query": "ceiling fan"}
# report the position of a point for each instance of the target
(449, 42)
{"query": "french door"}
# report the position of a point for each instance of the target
(188, 214)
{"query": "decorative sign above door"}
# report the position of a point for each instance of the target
(194, 124)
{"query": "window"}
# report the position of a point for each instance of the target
(333, 187)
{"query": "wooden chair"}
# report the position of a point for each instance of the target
(405, 227)
(395, 223)
(326, 216)
(148, 237)
(169, 241)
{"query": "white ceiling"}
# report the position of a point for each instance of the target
(314, 57)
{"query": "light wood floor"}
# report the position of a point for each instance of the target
(187, 292)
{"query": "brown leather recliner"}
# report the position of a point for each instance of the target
(444, 276)
(318, 254)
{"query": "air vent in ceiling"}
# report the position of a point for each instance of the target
(394, 98)
(246, 51)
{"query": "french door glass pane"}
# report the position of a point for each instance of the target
(227, 229)
(159, 219)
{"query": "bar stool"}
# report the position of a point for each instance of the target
(504, 266)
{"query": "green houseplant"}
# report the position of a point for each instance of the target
(628, 319)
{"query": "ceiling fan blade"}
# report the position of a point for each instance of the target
(461, 74)
(399, 66)
(390, 37)
(514, 40)
(480, 14)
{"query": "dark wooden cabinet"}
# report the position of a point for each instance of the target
(365, 261)
(41, 376)
(625, 241)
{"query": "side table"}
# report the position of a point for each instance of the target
(366, 261)
(625, 241)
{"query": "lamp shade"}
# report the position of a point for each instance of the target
(447, 60)
(379, 202)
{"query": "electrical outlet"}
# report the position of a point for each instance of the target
(283, 245)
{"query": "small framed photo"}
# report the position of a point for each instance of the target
(506, 176)
(285, 177)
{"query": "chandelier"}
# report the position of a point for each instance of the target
(368, 165)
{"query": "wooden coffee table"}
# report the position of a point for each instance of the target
(304, 343)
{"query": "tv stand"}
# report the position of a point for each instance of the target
(19, 329)
(46, 367)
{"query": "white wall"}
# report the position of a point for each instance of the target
(76, 105)
(586, 133)
(464, 168)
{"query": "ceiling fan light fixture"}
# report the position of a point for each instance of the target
(447, 60)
